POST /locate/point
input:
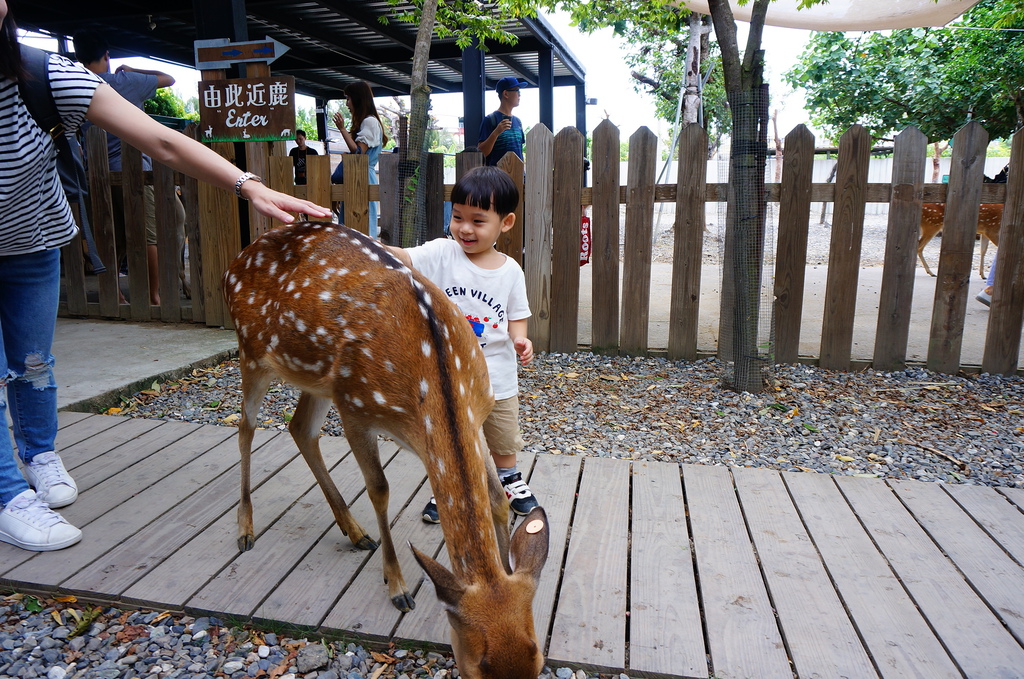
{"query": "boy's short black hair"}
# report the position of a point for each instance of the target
(300, 131)
(486, 187)
(90, 46)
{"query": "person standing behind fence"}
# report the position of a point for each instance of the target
(500, 131)
(299, 154)
(135, 85)
(364, 135)
(35, 223)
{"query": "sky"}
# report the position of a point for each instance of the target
(608, 80)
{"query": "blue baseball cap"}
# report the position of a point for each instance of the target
(509, 83)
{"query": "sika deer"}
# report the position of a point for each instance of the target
(990, 216)
(332, 312)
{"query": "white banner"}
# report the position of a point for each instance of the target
(849, 15)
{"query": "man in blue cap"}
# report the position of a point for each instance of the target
(500, 131)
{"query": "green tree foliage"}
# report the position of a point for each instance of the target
(167, 103)
(934, 79)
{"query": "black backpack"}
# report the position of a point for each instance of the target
(35, 92)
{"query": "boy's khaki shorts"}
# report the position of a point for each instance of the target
(501, 428)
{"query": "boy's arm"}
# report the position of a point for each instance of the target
(402, 255)
(522, 343)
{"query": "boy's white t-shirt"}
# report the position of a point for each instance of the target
(488, 298)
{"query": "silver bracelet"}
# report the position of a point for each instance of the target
(246, 176)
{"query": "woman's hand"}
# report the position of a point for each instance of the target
(277, 205)
(339, 120)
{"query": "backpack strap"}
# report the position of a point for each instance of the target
(36, 93)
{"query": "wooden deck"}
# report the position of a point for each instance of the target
(716, 572)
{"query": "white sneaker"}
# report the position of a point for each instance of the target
(27, 522)
(52, 482)
(984, 297)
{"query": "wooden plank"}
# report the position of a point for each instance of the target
(73, 256)
(511, 242)
(434, 176)
(959, 227)
(364, 607)
(589, 627)
(992, 573)
(102, 219)
(1002, 339)
(357, 179)
(194, 563)
(844, 254)
(565, 244)
(129, 453)
(890, 624)
(977, 640)
(216, 491)
(604, 229)
(190, 199)
(66, 418)
(821, 638)
(132, 190)
(687, 256)
(168, 243)
(390, 195)
(791, 258)
(999, 518)
(220, 239)
(318, 181)
(115, 509)
(897, 292)
(97, 444)
(240, 588)
(638, 245)
(743, 636)
(311, 589)
(1014, 495)
(79, 429)
(538, 194)
(666, 636)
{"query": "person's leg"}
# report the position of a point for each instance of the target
(985, 296)
(504, 440)
(152, 254)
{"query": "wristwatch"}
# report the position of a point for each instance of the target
(246, 176)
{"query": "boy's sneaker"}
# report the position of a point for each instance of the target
(27, 522)
(520, 498)
(985, 297)
(52, 483)
(430, 512)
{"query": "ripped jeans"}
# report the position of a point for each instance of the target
(29, 292)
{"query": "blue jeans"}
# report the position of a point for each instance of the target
(29, 292)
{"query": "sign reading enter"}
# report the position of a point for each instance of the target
(247, 109)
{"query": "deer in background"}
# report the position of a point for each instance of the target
(332, 312)
(990, 217)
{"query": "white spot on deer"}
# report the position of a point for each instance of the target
(273, 268)
(322, 262)
(424, 388)
(368, 353)
(469, 413)
(428, 426)
(291, 286)
(258, 261)
(321, 330)
(243, 331)
(357, 402)
(238, 287)
(273, 341)
(379, 398)
(252, 298)
(398, 409)
(458, 362)
(440, 465)
(462, 389)
(389, 366)
(325, 295)
(364, 379)
(425, 347)
(253, 365)
(344, 371)
(349, 335)
(425, 311)
(305, 283)
(299, 325)
(297, 295)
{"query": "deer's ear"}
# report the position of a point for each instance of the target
(449, 590)
(529, 548)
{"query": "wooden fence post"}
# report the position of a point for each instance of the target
(466, 161)
(605, 230)
(169, 241)
(565, 222)
(390, 194)
(638, 245)
(190, 199)
(687, 255)
(791, 252)
(132, 189)
(1002, 340)
(103, 221)
(434, 176)
(844, 253)
(318, 180)
(510, 243)
(904, 228)
(538, 194)
(357, 181)
(963, 200)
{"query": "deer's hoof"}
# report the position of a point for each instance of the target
(245, 542)
(404, 602)
(367, 543)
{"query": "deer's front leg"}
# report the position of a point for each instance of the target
(364, 445)
(305, 430)
(254, 388)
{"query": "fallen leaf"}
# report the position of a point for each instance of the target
(611, 378)
(113, 411)
(572, 375)
(160, 617)
(69, 599)
(58, 618)
(231, 418)
(845, 458)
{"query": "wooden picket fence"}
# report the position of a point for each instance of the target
(546, 239)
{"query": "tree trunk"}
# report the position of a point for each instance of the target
(413, 207)
(745, 220)
(692, 96)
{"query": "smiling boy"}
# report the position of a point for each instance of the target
(490, 289)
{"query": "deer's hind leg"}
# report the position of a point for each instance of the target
(364, 446)
(255, 381)
(305, 430)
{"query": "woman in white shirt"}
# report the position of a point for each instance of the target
(364, 135)
(35, 222)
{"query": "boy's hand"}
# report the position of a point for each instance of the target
(524, 347)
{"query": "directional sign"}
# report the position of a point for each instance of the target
(222, 53)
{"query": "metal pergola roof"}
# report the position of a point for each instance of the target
(331, 42)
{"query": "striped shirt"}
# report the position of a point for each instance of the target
(34, 214)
